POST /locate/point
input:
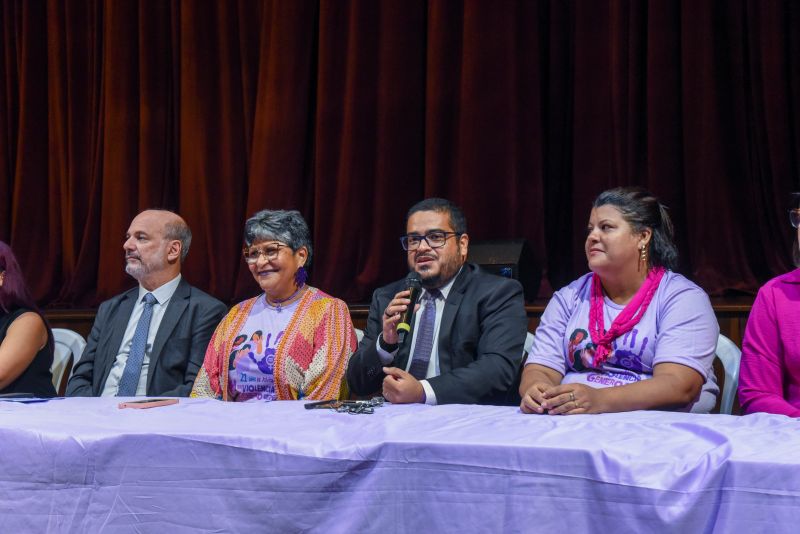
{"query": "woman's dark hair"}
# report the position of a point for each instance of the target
(641, 209)
(14, 293)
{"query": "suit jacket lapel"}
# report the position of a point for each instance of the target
(401, 362)
(119, 324)
(451, 306)
(177, 305)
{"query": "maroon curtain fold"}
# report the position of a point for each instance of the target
(351, 111)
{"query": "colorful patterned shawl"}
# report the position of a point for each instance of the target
(310, 359)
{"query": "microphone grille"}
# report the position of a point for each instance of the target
(413, 279)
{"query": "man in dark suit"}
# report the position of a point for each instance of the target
(468, 331)
(150, 340)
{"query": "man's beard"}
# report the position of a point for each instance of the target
(447, 270)
(139, 269)
(432, 281)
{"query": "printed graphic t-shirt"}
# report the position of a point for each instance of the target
(251, 364)
(679, 326)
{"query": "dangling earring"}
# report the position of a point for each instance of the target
(642, 258)
(300, 277)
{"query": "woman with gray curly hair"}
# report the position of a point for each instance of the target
(290, 342)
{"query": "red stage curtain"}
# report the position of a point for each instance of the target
(351, 111)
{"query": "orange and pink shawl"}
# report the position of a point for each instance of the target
(310, 359)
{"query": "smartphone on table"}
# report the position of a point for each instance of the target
(147, 403)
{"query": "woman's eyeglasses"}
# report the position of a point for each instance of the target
(271, 252)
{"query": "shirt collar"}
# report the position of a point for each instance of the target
(162, 293)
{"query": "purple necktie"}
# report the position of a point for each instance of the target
(424, 346)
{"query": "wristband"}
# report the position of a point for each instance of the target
(385, 346)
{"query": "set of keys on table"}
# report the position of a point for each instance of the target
(353, 407)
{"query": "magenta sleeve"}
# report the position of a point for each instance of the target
(762, 371)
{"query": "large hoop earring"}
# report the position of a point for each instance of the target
(300, 277)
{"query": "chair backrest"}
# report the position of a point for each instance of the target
(730, 355)
(68, 348)
(528, 346)
(512, 397)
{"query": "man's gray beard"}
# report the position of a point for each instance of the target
(141, 270)
(135, 270)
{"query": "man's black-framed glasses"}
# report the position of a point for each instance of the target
(435, 239)
(794, 217)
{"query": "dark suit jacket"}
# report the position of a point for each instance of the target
(178, 350)
(480, 340)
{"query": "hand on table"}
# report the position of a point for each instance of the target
(563, 399)
(400, 387)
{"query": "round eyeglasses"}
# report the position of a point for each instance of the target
(271, 252)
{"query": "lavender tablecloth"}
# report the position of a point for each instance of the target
(83, 465)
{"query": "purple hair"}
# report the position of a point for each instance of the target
(14, 293)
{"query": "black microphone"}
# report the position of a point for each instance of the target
(414, 285)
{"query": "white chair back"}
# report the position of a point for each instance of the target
(67, 351)
(512, 395)
(730, 355)
(528, 346)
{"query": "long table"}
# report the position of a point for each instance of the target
(83, 465)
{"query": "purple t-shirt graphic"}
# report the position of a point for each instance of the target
(679, 326)
(251, 368)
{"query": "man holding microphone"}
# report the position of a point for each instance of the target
(466, 335)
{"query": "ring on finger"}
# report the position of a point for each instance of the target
(572, 396)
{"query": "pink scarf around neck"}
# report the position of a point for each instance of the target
(626, 320)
